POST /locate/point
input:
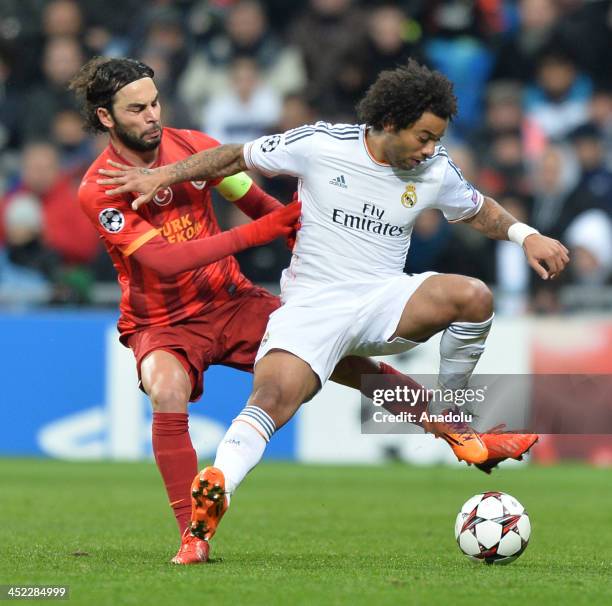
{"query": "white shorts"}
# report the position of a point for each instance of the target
(336, 321)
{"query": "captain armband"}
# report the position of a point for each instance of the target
(235, 187)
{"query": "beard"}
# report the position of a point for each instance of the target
(137, 142)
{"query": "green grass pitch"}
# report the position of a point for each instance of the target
(298, 534)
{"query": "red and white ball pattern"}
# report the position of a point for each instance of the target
(492, 527)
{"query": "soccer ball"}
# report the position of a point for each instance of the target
(492, 527)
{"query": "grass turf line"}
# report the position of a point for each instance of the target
(302, 534)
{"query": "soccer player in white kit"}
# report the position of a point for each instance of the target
(362, 188)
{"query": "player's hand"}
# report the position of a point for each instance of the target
(279, 223)
(546, 256)
(132, 179)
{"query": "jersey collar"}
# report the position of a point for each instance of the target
(367, 149)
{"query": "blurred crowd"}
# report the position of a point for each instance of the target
(533, 79)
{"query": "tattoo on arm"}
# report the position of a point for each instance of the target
(220, 161)
(492, 220)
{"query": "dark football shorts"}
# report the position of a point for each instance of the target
(228, 335)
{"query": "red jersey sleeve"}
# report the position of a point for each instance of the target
(114, 218)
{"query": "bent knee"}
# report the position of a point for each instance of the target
(475, 301)
(169, 398)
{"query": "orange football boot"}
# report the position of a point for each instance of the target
(463, 440)
(505, 445)
(193, 550)
(208, 502)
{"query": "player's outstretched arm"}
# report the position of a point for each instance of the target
(212, 163)
(170, 259)
(548, 257)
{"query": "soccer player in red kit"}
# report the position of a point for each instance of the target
(185, 304)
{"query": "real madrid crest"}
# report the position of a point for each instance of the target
(409, 197)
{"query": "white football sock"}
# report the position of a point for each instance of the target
(461, 346)
(243, 445)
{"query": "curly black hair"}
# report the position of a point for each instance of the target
(399, 97)
(96, 83)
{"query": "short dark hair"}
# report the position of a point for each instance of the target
(96, 83)
(399, 97)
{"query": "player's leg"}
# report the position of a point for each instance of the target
(169, 387)
(350, 370)
(463, 308)
(281, 383)
(419, 306)
(460, 306)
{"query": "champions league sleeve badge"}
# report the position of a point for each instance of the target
(271, 143)
(112, 220)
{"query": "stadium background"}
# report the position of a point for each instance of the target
(534, 130)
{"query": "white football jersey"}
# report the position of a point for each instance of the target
(357, 213)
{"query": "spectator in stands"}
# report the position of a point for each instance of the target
(586, 29)
(540, 93)
(9, 104)
(108, 32)
(65, 230)
(505, 141)
(556, 199)
(62, 57)
(389, 41)
(504, 115)
(456, 45)
(246, 33)
(595, 177)
(27, 266)
(600, 113)
(504, 166)
(27, 26)
(245, 111)
(330, 35)
(74, 145)
(62, 18)
(589, 236)
(558, 99)
(356, 66)
(296, 111)
(517, 53)
(165, 33)
(455, 19)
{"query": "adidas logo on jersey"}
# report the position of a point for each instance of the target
(339, 181)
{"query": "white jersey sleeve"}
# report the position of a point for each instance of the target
(458, 199)
(285, 153)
